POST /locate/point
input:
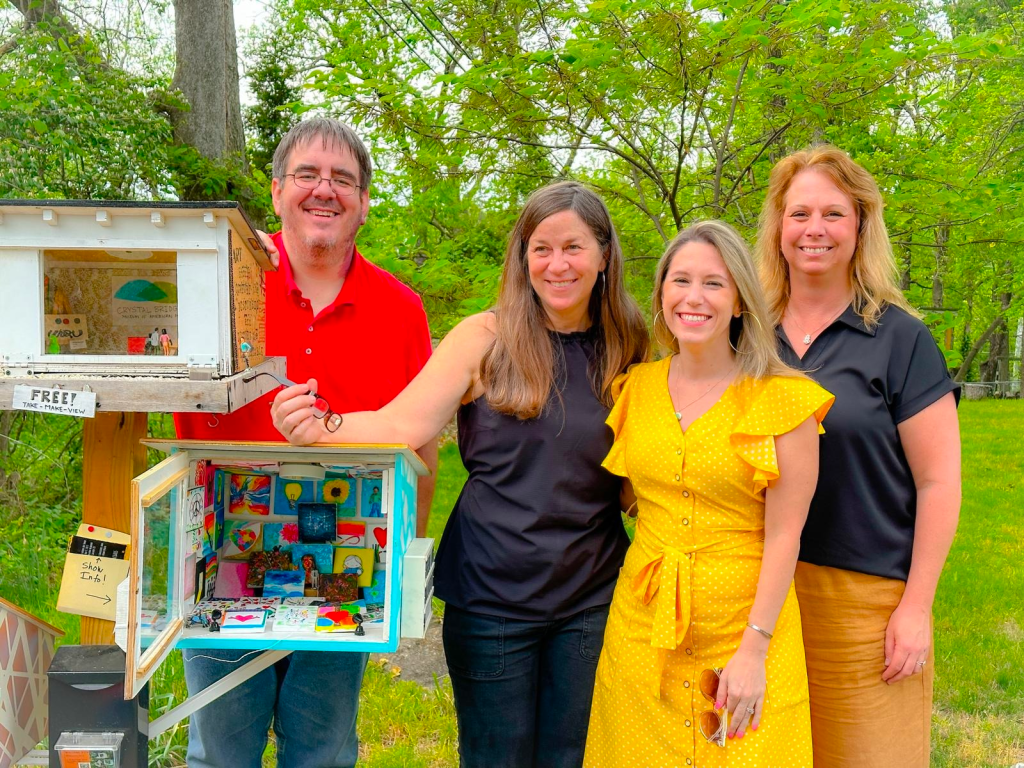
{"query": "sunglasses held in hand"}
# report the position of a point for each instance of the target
(712, 725)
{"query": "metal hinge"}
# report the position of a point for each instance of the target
(202, 367)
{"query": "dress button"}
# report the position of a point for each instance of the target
(685, 521)
(686, 683)
(687, 723)
(309, 351)
(679, 451)
(686, 494)
(677, 477)
(689, 761)
(689, 651)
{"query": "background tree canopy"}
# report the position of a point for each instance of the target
(675, 111)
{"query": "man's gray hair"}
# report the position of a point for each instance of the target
(332, 133)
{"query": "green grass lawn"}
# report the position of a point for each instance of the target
(979, 625)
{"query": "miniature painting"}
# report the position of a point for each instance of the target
(340, 491)
(372, 502)
(244, 621)
(351, 533)
(289, 493)
(268, 604)
(295, 618)
(322, 554)
(355, 560)
(338, 587)
(281, 535)
(249, 495)
(283, 584)
(378, 539)
(241, 539)
(317, 522)
(267, 560)
(232, 576)
(338, 618)
(374, 594)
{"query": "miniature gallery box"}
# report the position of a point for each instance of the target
(164, 291)
(265, 546)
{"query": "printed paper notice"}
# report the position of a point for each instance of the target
(195, 514)
(63, 401)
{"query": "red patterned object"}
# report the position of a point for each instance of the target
(26, 649)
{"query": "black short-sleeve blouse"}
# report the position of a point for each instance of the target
(863, 512)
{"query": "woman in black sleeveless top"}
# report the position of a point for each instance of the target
(529, 558)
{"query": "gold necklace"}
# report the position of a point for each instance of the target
(807, 336)
(679, 413)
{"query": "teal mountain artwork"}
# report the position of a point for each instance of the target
(145, 290)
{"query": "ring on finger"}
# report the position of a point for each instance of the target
(921, 663)
(750, 710)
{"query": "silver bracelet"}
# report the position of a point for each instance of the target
(756, 628)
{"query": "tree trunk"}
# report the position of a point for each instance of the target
(206, 73)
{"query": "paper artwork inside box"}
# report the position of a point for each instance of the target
(357, 561)
(241, 539)
(317, 522)
(372, 501)
(267, 560)
(268, 604)
(377, 537)
(288, 494)
(293, 618)
(232, 577)
(245, 620)
(339, 587)
(322, 554)
(283, 584)
(351, 533)
(339, 490)
(374, 594)
(339, 617)
(281, 535)
(249, 494)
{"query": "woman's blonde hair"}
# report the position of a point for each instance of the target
(873, 270)
(752, 334)
(518, 371)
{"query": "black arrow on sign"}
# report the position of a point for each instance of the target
(104, 598)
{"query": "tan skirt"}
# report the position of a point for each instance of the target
(857, 720)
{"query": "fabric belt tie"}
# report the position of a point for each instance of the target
(665, 577)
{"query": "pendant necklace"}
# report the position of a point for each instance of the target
(679, 413)
(807, 336)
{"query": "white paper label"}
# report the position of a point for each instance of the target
(63, 401)
(121, 616)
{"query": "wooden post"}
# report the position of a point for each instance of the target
(112, 457)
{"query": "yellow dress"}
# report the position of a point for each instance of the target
(690, 576)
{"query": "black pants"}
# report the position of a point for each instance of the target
(523, 689)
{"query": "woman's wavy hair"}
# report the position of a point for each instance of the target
(519, 369)
(752, 334)
(873, 270)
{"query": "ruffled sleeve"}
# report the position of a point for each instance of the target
(776, 407)
(622, 391)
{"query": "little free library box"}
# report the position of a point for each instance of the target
(272, 547)
(143, 306)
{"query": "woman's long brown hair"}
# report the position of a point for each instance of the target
(518, 371)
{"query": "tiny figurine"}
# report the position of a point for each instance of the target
(358, 619)
(312, 575)
(215, 616)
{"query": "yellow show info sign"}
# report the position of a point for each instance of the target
(97, 561)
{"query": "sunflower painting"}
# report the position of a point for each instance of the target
(340, 491)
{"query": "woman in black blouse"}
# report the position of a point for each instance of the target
(888, 497)
(529, 557)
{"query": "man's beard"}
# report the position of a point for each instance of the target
(321, 250)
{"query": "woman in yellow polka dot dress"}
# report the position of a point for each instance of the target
(719, 442)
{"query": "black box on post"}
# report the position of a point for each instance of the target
(87, 694)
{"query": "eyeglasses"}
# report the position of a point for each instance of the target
(712, 725)
(321, 408)
(310, 180)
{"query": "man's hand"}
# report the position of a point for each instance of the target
(293, 414)
(271, 249)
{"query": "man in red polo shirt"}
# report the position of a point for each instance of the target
(363, 336)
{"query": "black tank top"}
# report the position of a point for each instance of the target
(536, 533)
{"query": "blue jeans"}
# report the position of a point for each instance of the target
(311, 697)
(523, 689)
